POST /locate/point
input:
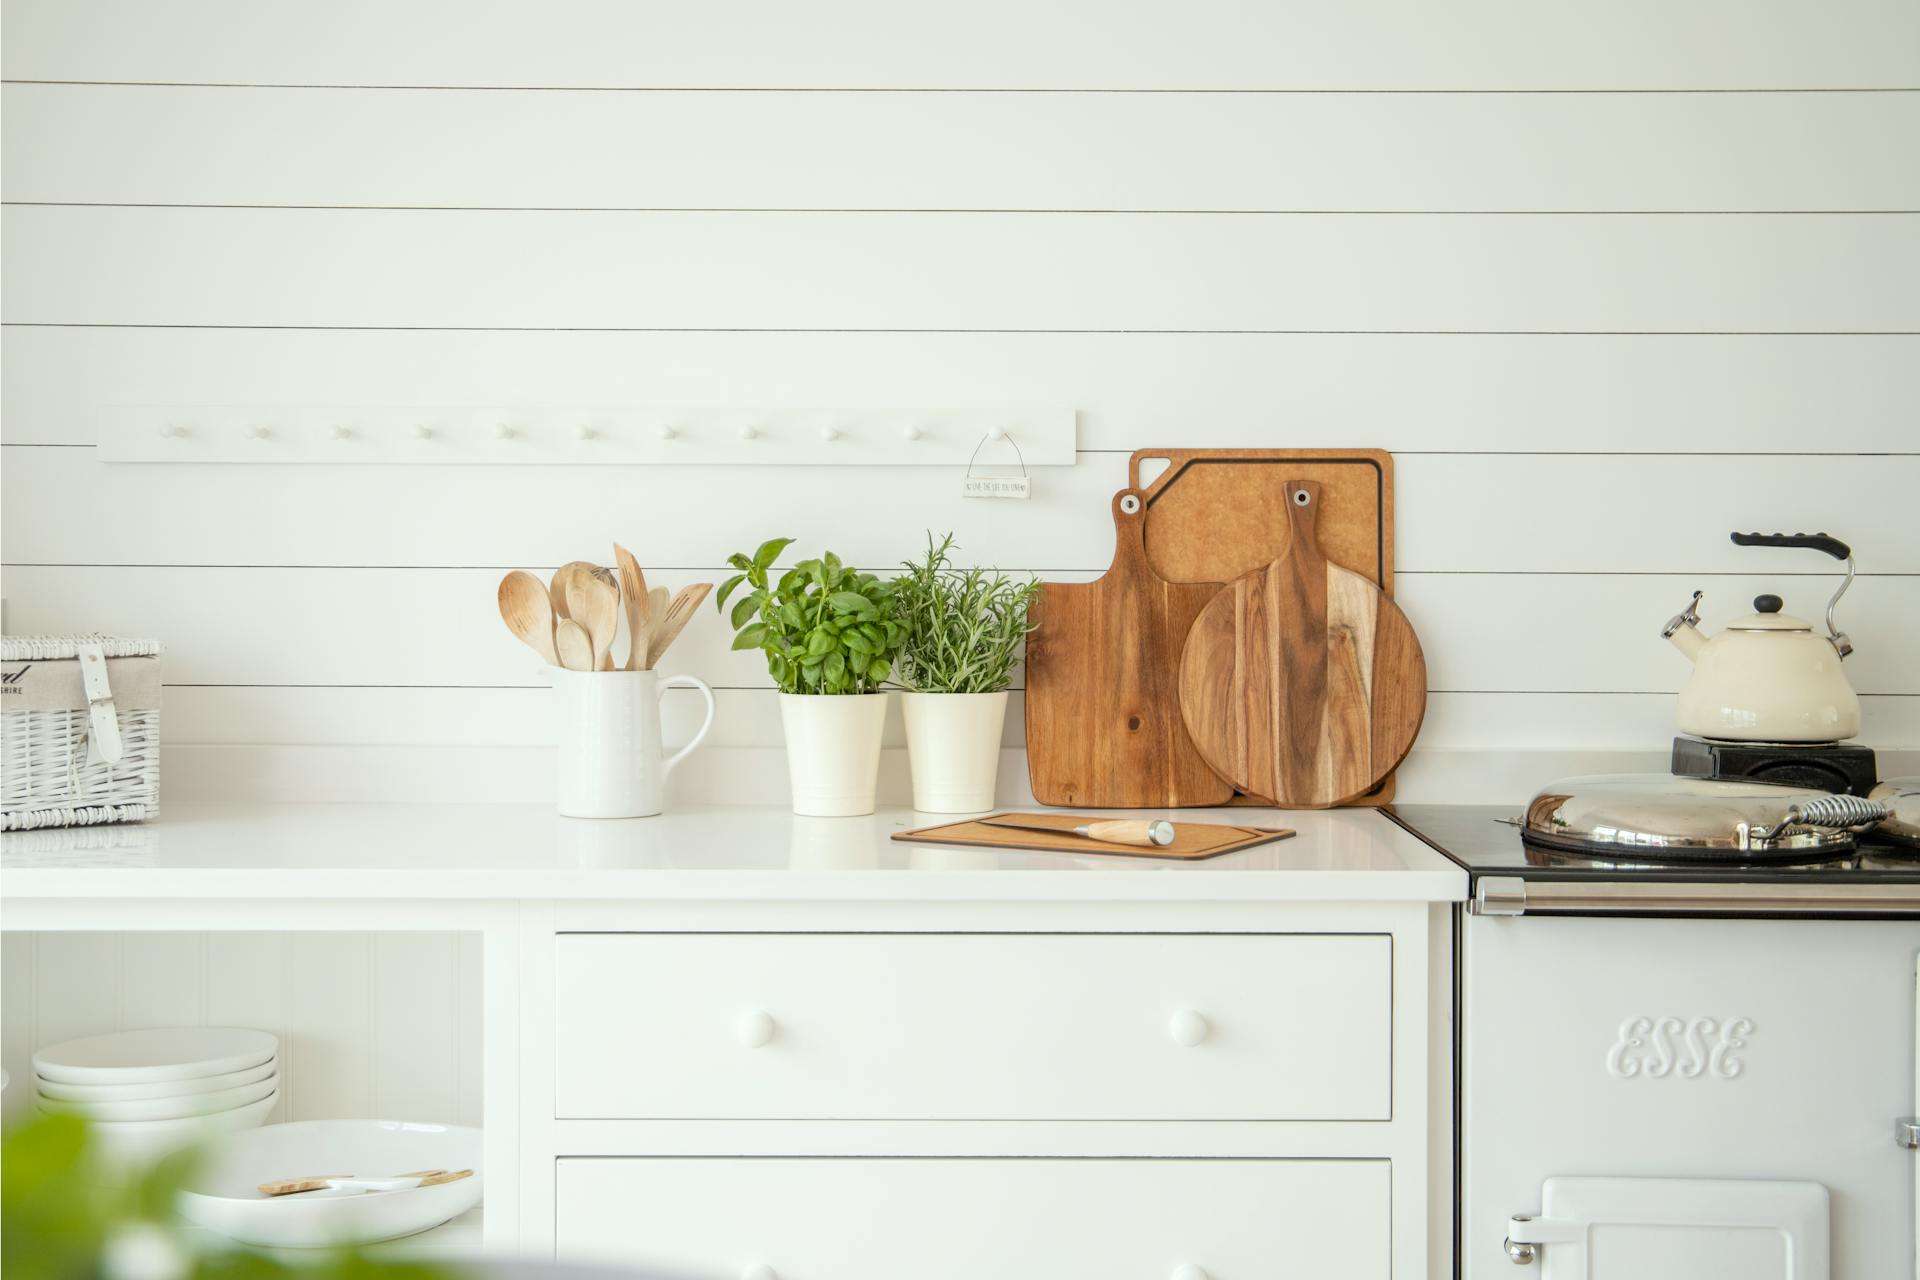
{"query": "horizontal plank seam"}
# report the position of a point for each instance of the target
(1143, 332)
(1398, 453)
(1012, 569)
(1106, 91)
(767, 688)
(987, 210)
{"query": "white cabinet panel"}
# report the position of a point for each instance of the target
(1010, 1027)
(887, 1219)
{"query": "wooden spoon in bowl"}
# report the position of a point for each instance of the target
(527, 610)
(574, 645)
(594, 603)
(563, 578)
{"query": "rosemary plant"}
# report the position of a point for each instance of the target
(964, 626)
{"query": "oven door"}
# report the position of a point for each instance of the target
(1704, 1087)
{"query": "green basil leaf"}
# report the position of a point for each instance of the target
(819, 643)
(751, 637)
(726, 589)
(836, 667)
(746, 608)
(857, 642)
(849, 602)
(770, 551)
(878, 670)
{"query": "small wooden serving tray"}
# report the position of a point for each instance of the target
(1191, 840)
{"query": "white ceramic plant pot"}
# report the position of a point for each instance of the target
(610, 759)
(953, 746)
(833, 751)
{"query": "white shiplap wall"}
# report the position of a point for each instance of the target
(1610, 280)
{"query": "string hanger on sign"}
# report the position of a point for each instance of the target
(1020, 486)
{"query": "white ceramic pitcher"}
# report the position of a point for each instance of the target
(610, 763)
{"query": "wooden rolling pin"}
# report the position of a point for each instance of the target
(1154, 833)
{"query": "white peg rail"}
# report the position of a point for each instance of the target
(588, 436)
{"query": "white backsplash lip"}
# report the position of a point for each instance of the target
(756, 776)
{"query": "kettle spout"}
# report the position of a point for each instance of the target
(1683, 629)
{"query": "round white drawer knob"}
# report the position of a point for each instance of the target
(759, 1271)
(754, 1029)
(1187, 1029)
(1188, 1271)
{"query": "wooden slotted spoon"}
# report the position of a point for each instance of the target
(679, 613)
(633, 591)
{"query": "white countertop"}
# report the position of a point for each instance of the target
(466, 852)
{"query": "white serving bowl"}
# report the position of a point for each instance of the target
(225, 1196)
(159, 1053)
(64, 1092)
(193, 1104)
(132, 1142)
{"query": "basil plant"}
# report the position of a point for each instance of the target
(825, 628)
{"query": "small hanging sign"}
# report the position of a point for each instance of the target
(973, 486)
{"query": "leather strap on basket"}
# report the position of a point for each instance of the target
(103, 743)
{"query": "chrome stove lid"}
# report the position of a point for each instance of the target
(1902, 796)
(1659, 816)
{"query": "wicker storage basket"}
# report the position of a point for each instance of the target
(79, 730)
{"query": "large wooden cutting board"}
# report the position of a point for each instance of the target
(1214, 514)
(1301, 683)
(1104, 729)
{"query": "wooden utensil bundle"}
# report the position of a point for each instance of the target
(1243, 647)
(572, 621)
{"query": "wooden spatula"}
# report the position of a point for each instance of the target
(1301, 683)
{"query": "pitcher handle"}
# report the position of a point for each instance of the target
(706, 691)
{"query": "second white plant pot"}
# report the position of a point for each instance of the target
(833, 751)
(953, 746)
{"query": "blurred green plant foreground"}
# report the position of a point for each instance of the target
(63, 1216)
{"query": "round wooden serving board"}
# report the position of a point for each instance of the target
(1301, 683)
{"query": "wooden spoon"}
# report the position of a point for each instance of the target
(594, 602)
(668, 628)
(563, 578)
(575, 646)
(633, 591)
(527, 610)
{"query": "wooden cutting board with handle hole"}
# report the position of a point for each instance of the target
(1300, 682)
(1103, 714)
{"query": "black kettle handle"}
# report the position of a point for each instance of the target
(1813, 541)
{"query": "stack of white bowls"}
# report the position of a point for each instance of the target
(145, 1093)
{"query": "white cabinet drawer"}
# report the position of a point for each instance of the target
(974, 1027)
(889, 1219)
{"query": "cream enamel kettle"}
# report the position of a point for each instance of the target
(1768, 677)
